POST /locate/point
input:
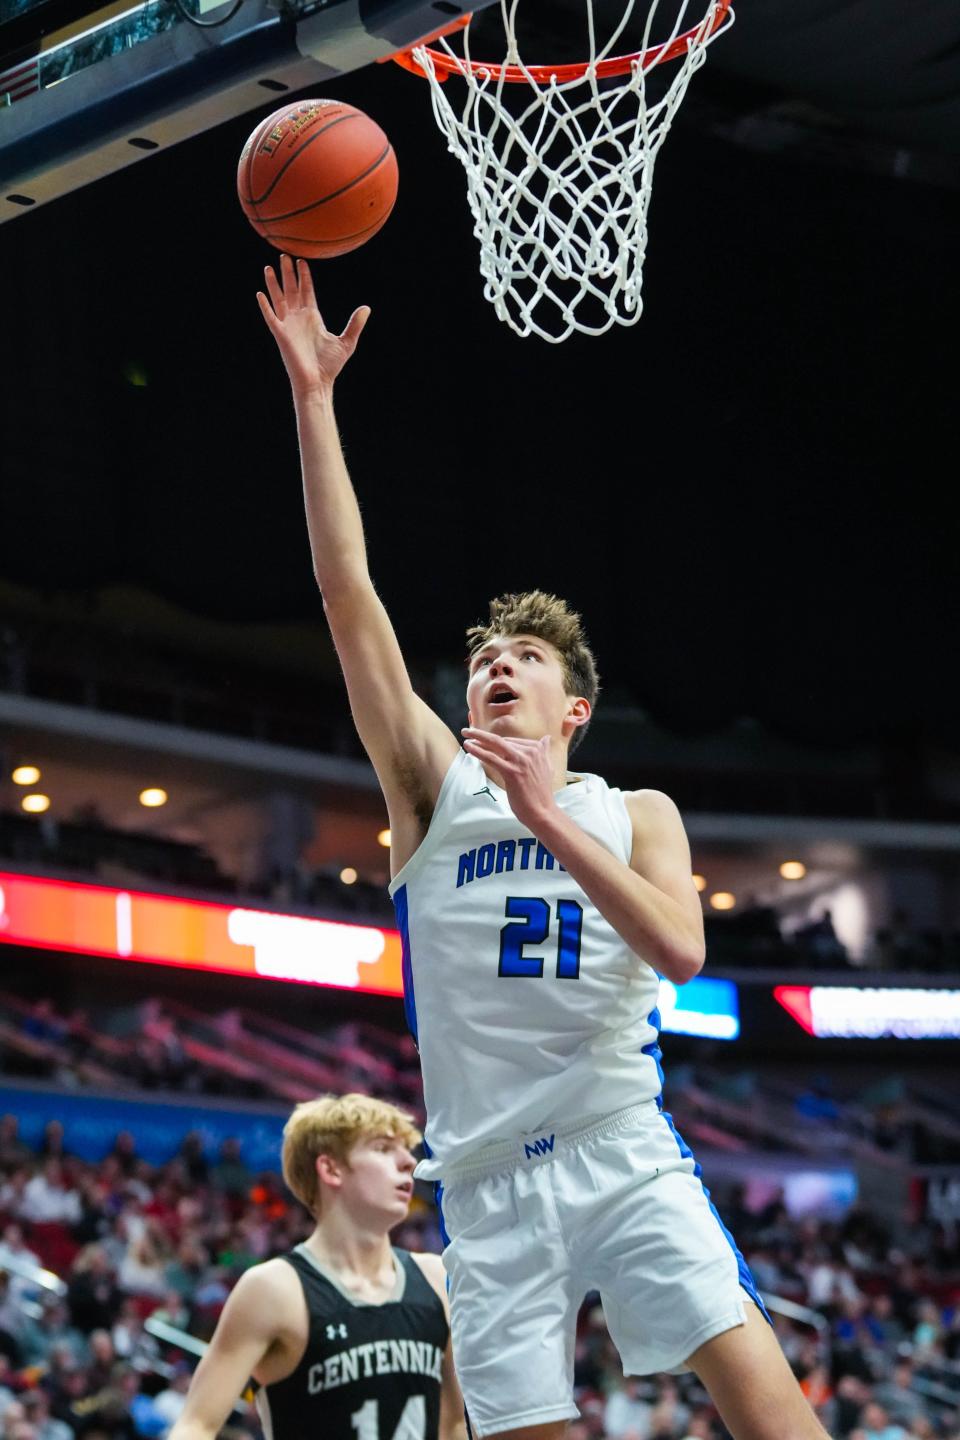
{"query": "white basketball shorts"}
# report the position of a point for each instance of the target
(615, 1206)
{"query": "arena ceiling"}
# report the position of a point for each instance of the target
(884, 69)
(750, 495)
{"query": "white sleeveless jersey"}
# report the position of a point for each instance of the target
(528, 1008)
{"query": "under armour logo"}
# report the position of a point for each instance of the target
(487, 791)
(336, 1330)
(540, 1147)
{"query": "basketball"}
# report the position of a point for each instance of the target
(317, 178)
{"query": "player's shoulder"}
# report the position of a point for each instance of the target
(261, 1303)
(269, 1281)
(650, 807)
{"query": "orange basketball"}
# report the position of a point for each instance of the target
(317, 178)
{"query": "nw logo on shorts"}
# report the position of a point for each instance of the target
(540, 1147)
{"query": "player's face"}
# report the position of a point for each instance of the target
(516, 686)
(379, 1182)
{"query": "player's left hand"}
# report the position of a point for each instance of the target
(526, 767)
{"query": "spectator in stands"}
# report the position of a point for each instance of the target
(43, 1023)
(174, 1311)
(16, 1425)
(14, 1152)
(902, 1403)
(816, 1103)
(103, 1358)
(36, 1405)
(130, 1340)
(670, 1415)
(125, 1153)
(852, 1342)
(904, 1286)
(93, 1295)
(818, 1388)
(16, 1258)
(193, 1158)
(93, 1221)
(65, 1382)
(928, 1328)
(7, 1396)
(626, 1412)
(829, 1282)
(700, 1427)
(51, 1144)
(843, 1414)
(185, 1272)
(170, 1402)
(267, 1195)
(52, 1330)
(48, 1198)
(884, 1326)
(11, 1322)
(230, 1174)
(159, 1040)
(875, 1424)
(12, 1188)
(109, 1409)
(142, 1269)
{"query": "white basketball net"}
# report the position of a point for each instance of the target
(559, 190)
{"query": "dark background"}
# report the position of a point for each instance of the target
(750, 494)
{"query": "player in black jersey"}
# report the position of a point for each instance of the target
(347, 1337)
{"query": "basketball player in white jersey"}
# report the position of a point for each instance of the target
(537, 908)
(347, 1337)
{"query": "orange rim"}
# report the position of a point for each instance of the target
(446, 65)
(405, 57)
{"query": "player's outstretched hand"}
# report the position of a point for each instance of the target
(526, 767)
(312, 354)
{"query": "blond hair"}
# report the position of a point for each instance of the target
(550, 619)
(333, 1125)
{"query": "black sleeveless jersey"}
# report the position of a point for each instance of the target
(369, 1372)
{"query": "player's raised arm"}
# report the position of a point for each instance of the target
(410, 747)
(246, 1330)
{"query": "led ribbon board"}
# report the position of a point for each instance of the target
(166, 930)
(859, 1012)
(703, 1006)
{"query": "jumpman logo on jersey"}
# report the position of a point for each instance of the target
(487, 791)
(334, 1330)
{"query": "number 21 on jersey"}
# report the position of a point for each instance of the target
(529, 924)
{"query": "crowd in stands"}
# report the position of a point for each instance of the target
(160, 1045)
(136, 1243)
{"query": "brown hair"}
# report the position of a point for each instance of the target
(550, 619)
(333, 1125)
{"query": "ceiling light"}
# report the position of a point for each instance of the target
(700, 882)
(383, 839)
(793, 869)
(152, 797)
(35, 804)
(25, 775)
(723, 900)
(348, 875)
